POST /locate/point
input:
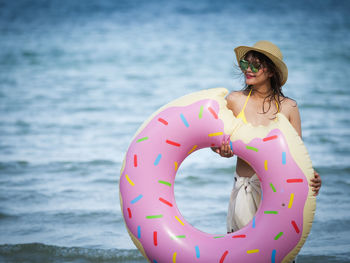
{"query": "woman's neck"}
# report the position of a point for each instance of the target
(261, 91)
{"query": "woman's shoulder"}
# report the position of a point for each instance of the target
(288, 103)
(235, 95)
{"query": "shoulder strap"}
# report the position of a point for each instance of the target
(246, 101)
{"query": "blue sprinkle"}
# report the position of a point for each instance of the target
(273, 256)
(262, 196)
(156, 162)
(155, 261)
(184, 120)
(253, 222)
(197, 252)
(138, 231)
(136, 199)
(231, 145)
(284, 158)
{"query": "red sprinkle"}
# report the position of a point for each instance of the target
(155, 241)
(173, 143)
(165, 202)
(270, 138)
(294, 180)
(223, 256)
(295, 226)
(163, 121)
(129, 212)
(213, 112)
(135, 160)
(239, 236)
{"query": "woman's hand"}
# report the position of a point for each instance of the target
(316, 183)
(225, 149)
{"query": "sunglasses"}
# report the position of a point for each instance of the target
(253, 66)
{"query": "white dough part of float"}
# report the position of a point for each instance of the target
(200, 120)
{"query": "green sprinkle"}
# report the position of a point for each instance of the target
(252, 148)
(142, 139)
(278, 235)
(273, 188)
(181, 236)
(219, 236)
(163, 182)
(201, 113)
(154, 216)
(271, 212)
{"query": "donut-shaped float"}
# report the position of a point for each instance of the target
(199, 120)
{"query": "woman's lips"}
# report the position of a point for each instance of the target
(248, 76)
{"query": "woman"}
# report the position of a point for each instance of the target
(258, 103)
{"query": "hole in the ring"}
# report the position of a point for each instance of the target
(203, 186)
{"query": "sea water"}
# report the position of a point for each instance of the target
(77, 79)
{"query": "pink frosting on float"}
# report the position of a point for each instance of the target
(147, 190)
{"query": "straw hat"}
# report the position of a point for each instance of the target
(268, 49)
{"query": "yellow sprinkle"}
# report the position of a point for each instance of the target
(252, 251)
(215, 134)
(291, 200)
(178, 219)
(193, 148)
(174, 257)
(265, 164)
(129, 180)
(176, 165)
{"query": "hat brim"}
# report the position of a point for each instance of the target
(242, 50)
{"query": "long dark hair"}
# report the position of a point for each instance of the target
(276, 93)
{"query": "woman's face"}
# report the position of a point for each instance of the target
(259, 78)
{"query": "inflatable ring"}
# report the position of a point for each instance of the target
(198, 120)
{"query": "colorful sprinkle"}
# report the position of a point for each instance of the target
(273, 256)
(129, 212)
(273, 188)
(198, 255)
(270, 138)
(136, 199)
(173, 143)
(163, 121)
(142, 139)
(231, 145)
(165, 202)
(138, 231)
(212, 111)
(180, 236)
(253, 225)
(176, 166)
(291, 199)
(164, 182)
(154, 216)
(223, 256)
(294, 180)
(296, 228)
(215, 134)
(278, 235)
(129, 180)
(271, 212)
(178, 219)
(219, 236)
(184, 120)
(156, 162)
(252, 148)
(252, 251)
(193, 148)
(265, 165)
(284, 161)
(155, 241)
(174, 257)
(201, 113)
(135, 160)
(239, 236)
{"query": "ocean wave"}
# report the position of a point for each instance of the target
(38, 252)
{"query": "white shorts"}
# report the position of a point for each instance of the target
(244, 202)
